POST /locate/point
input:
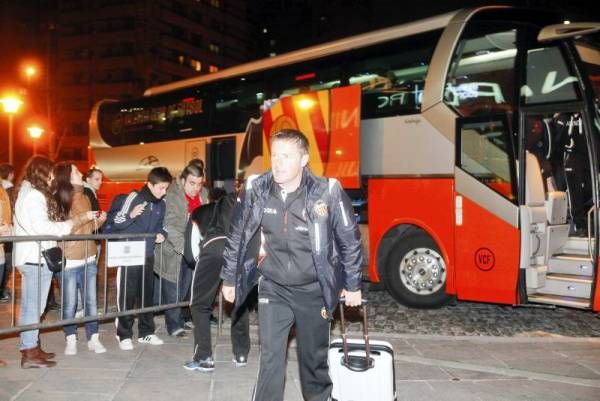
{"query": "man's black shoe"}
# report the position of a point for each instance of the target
(240, 361)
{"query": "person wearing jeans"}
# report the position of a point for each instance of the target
(80, 271)
(82, 278)
(36, 213)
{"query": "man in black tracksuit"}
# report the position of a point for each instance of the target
(311, 255)
(213, 221)
(141, 212)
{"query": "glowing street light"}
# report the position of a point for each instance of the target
(11, 106)
(30, 71)
(35, 133)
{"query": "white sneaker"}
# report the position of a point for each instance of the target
(126, 344)
(151, 339)
(95, 345)
(71, 347)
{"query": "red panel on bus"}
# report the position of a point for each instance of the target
(330, 119)
(344, 154)
(427, 203)
(487, 256)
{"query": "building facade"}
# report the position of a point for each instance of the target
(115, 49)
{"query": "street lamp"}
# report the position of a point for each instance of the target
(35, 133)
(30, 72)
(11, 106)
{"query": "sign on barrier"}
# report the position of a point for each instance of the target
(125, 253)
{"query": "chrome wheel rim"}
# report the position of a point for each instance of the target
(422, 271)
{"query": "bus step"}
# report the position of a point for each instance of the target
(577, 246)
(570, 264)
(567, 285)
(549, 299)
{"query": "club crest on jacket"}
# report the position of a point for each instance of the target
(320, 208)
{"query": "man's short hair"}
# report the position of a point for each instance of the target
(197, 162)
(5, 170)
(292, 135)
(159, 174)
(193, 170)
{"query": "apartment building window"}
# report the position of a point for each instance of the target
(196, 17)
(215, 3)
(213, 68)
(214, 47)
(179, 8)
(77, 54)
(71, 5)
(196, 64)
(196, 39)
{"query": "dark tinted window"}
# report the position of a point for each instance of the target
(392, 75)
(481, 78)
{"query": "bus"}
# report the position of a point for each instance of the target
(476, 170)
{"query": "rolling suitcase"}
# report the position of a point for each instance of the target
(361, 369)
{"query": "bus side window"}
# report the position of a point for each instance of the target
(392, 75)
(484, 152)
(549, 78)
(481, 78)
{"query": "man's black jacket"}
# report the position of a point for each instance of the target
(334, 236)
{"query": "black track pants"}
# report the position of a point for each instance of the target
(279, 308)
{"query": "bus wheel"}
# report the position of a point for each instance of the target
(416, 272)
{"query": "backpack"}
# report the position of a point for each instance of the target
(115, 207)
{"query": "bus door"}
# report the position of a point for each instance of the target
(486, 215)
(480, 88)
(558, 145)
(556, 176)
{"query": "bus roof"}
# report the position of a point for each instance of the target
(313, 52)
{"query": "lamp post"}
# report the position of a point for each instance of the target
(35, 132)
(11, 107)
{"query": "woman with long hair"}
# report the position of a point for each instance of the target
(80, 271)
(37, 213)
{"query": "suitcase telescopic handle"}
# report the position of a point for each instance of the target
(356, 364)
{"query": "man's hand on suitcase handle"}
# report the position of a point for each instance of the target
(352, 298)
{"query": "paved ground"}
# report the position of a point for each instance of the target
(479, 319)
(468, 351)
(428, 367)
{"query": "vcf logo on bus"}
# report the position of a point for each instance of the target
(485, 259)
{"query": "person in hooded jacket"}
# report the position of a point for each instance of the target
(212, 222)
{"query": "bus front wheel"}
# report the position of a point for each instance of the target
(415, 272)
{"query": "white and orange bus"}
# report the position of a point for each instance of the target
(473, 146)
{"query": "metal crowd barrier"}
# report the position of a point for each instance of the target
(103, 313)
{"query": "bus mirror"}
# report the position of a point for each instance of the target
(567, 30)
